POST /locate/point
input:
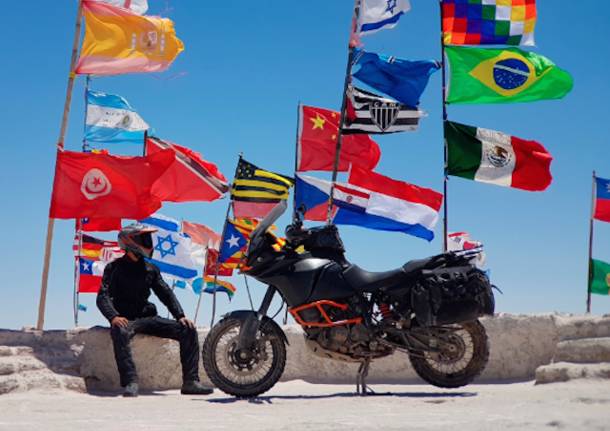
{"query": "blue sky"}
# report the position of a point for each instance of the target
(236, 88)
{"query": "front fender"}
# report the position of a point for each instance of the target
(245, 315)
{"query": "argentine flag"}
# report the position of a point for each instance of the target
(110, 120)
(176, 256)
(380, 14)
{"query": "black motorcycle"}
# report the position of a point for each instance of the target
(428, 308)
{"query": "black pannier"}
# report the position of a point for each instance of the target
(452, 295)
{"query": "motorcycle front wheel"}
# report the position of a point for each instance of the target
(248, 373)
(462, 352)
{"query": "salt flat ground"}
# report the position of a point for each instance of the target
(296, 405)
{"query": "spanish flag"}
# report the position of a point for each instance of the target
(120, 41)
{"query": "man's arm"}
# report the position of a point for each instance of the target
(165, 294)
(103, 301)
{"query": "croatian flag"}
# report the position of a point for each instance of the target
(380, 14)
(110, 120)
(602, 201)
(373, 201)
(174, 253)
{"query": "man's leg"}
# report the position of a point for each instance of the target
(122, 354)
(187, 337)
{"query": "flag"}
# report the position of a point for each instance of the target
(370, 113)
(110, 120)
(373, 201)
(317, 143)
(173, 252)
(377, 15)
(201, 234)
(403, 80)
(212, 267)
(489, 22)
(102, 185)
(136, 6)
(497, 158)
(458, 241)
(190, 178)
(602, 200)
(599, 283)
(100, 224)
(91, 257)
(485, 75)
(233, 245)
(118, 40)
(82, 307)
(255, 192)
(207, 285)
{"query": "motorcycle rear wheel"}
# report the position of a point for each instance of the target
(463, 358)
(240, 377)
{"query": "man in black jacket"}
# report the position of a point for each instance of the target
(123, 300)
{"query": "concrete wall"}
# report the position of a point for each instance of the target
(519, 344)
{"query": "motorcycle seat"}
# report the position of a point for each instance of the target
(417, 264)
(365, 281)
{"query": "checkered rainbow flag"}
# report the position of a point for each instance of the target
(489, 22)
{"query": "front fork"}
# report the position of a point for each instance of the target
(247, 333)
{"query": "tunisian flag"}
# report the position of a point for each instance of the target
(318, 140)
(189, 178)
(102, 185)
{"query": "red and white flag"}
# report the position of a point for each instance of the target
(102, 185)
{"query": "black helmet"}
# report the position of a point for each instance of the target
(137, 239)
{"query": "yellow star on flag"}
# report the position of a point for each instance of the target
(318, 123)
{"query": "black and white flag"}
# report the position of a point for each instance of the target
(373, 114)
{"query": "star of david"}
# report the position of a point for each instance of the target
(233, 241)
(390, 7)
(170, 249)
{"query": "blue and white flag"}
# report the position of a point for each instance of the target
(110, 120)
(173, 252)
(380, 14)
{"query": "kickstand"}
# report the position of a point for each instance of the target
(363, 372)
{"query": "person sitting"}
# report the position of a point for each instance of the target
(123, 300)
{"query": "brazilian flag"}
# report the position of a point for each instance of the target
(480, 75)
(600, 277)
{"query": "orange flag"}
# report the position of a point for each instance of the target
(119, 41)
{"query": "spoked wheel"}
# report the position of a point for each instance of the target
(248, 372)
(461, 354)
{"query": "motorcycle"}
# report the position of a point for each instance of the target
(428, 308)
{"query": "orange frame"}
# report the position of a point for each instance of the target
(320, 306)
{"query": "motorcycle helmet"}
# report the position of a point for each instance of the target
(137, 238)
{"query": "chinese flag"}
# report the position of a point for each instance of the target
(190, 178)
(318, 140)
(102, 185)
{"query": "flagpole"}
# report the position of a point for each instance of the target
(296, 157)
(202, 286)
(590, 272)
(60, 147)
(348, 72)
(443, 92)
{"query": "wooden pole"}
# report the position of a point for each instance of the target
(590, 272)
(348, 72)
(60, 147)
(443, 94)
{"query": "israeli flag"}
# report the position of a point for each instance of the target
(380, 14)
(174, 253)
(110, 120)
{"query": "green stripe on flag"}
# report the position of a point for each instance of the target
(600, 277)
(463, 150)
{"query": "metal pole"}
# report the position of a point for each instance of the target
(348, 72)
(60, 147)
(445, 176)
(590, 272)
(202, 287)
(296, 157)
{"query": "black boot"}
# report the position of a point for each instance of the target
(195, 388)
(131, 390)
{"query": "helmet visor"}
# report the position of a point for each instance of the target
(144, 240)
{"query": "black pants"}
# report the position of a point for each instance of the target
(159, 327)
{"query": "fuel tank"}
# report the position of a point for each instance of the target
(306, 280)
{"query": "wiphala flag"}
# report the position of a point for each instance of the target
(256, 191)
(373, 114)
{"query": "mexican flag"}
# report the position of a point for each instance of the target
(600, 277)
(496, 158)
